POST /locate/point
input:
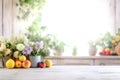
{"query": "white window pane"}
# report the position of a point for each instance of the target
(77, 21)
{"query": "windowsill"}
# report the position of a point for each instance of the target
(82, 57)
(80, 60)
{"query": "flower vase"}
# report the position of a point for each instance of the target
(1, 62)
(4, 60)
(35, 60)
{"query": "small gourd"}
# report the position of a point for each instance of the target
(117, 49)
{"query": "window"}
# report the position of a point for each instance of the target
(77, 21)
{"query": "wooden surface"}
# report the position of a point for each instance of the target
(83, 57)
(85, 60)
(7, 18)
(62, 73)
(0, 17)
(117, 24)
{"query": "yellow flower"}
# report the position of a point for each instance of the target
(7, 51)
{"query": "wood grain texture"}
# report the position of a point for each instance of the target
(19, 25)
(112, 5)
(85, 60)
(117, 14)
(7, 18)
(16, 22)
(62, 73)
(0, 17)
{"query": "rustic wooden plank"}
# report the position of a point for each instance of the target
(117, 14)
(112, 5)
(16, 22)
(7, 18)
(62, 73)
(0, 17)
(85, 60)
(19, 26)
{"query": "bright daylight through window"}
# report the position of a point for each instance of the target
(77, 21)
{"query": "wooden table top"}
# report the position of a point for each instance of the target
(62, 73)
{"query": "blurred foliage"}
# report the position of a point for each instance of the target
(39, 33)
(74, 51)
(107, 40)
(29, 8)
(36, 32)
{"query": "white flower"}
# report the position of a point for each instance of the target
(26, 41)
(16, 54)
(7, 51)
(2, 47)
(20, 47)
(1, 39)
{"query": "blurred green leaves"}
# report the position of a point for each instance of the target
(27, 7)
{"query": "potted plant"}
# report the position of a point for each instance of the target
(58, 47)
(92, 48)
(74, 51)
(36, 52)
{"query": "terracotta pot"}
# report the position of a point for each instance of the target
(58, 51)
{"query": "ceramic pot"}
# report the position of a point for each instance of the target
(92, 50)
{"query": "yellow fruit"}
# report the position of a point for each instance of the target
(117, 37)
(10, 64)
(48, 63)
(107, 49)
(22, 58)
(113, 41)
